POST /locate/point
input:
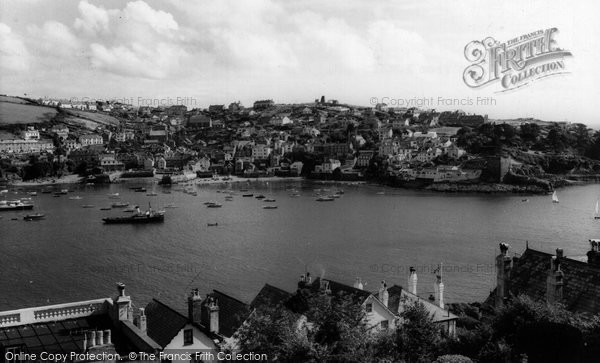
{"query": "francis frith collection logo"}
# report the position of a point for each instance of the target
(516, 62)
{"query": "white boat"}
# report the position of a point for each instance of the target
(597, 214)
(554, 197)
(75, 198)
(113, 195)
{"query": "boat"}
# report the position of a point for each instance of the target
(129, 210)
(269, 200)
(170, 206)
(597, 214)
(209, 202)
(260, 196)
(64, 191)
(14, 205)
(270, 207)
(295, 195)
(46, 191)
(56, 195)
(151, 194)
(247, 195)
(32, 193)
(325, 199)
(75, 198)
(380, 193)
(524, 200)
(120, 205)
(212, 224)
(113, 194)
(105, 208)
(214, 205)
(34, 217)
(140, 190)
(149, 216)
(554, 197)
(88, 206)
(3, 191)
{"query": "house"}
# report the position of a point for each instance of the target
(263, 105)
(161, 163)
(261, 151)
(280, 120)
(551, 278)
(61, 131)
(328, 166)
(364, 158)
(109, 163)
(159, 135)
(388, 147)
(30, 134)
(199, 121)
(71, 144)
(296, 167)
(90, 139)
(455, 152)
(101, 326)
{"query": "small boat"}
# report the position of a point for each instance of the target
(380, 193)
(336, 195)
(170, 206)
(88, 206)
(3, 191)
(269, 200)
(247, 195)
(325, 199)
(597, 211)
(32, 193)
(64, 191)
(46, 191)
(151, 194)
(212, 224)
(260, 196)
(524, 200)
(120, 205)
(75, 198)
(140, 190)
(243, 190)
(555, 197)
(34, 217)
(270, 207)
(214, 205)
(295, 195)
(113, 194)
(56, 195)
(105, 208)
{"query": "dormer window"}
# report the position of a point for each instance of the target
(188, 337)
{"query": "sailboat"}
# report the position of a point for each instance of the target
(596, 214)
(554, 197)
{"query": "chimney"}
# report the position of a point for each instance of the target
(594, 253)
(122, 305)
(383, 294)
(554, 281)
(412, 281)
(503, 267)
(194, 306)
(358, 284)
(305, 280)
(142, 322)
(438, 287)
(210, 314)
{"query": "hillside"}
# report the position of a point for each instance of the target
(24, 113)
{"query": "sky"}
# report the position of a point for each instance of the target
(203, 52)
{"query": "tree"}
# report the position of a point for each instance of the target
(417, 336)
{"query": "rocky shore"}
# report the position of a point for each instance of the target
(489, 188)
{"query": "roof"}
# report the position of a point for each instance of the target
(581, 280)
(338, 288)
(163, 323)
(270, 296)
(397, 294)
(232, 313)
(60, 336)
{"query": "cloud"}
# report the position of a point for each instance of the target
(13, 53)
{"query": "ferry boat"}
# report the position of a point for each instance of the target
(150, 216)
(34, 217)
(14, 205)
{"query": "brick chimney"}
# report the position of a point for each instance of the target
(438, 287)
(194, 306)
(210, 314)
(555, 279)
(593, 254)
(503, 267)
(412, 281)
(383, 294)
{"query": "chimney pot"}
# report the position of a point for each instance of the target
(107, 339)
(412, 281)
(121, 288)
(99, 338)
(92, 339)
(559, 252)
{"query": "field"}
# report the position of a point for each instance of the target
(12, 99)
(20, 113)
(97, 117)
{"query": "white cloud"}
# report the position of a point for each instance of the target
(13, 53)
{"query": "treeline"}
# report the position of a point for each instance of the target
(490, 138)
(320, 328)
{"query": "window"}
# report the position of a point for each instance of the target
(369, 308)
(188, 337)
(385, 324)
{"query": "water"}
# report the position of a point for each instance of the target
(72, 255)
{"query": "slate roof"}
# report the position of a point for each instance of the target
(270, 296)
(338, 288)
(397, 293)
(163, 323)
(581, 289)
(232, 313)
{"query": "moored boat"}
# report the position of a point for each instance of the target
(325, 199)
(120, 205)
(34, 217)
(149, 216)
(555, 197)
(14, 205)
(270, 207)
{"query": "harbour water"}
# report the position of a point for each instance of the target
(371, 232)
